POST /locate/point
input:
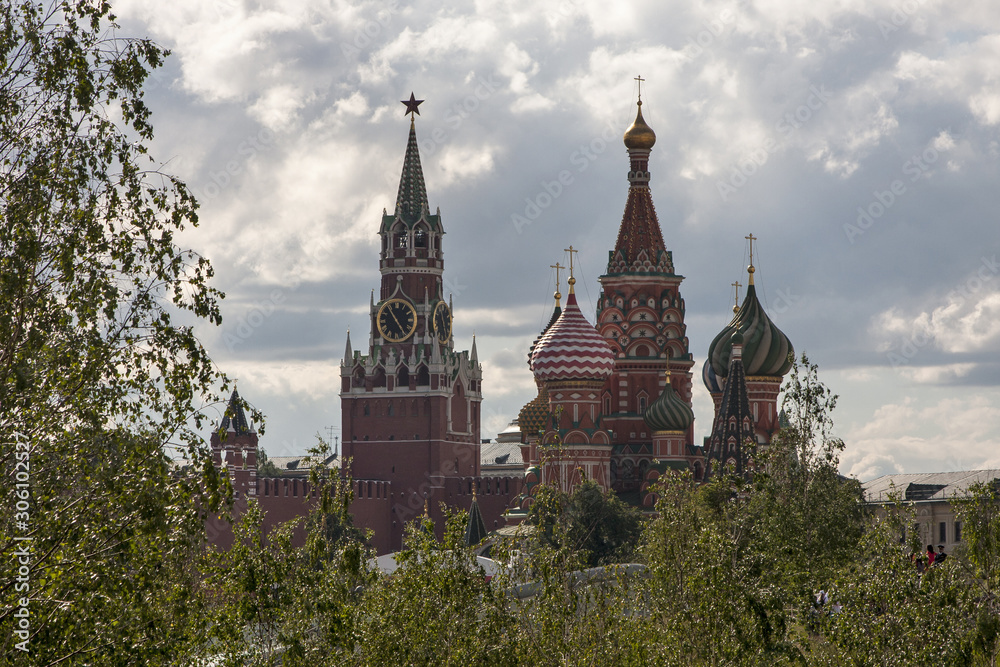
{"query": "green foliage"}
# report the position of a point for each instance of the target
(95, 373)
(266, 467)
(805, 514)
(595, 525)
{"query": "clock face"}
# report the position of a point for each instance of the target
(396, 320)
(442, 322)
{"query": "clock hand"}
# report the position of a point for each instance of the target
(396, 319)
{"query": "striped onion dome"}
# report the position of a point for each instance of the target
(766, 350)
(710, 379)
(572, 349)
(669, 412)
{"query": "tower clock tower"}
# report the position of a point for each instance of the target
(411, 403)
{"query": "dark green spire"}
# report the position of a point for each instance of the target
(411, 200)
(475, 531)
(235, 417)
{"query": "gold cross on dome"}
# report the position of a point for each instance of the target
(640, 80)
(557, 266)
(750, 270)
(571, 250)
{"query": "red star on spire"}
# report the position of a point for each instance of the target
(412, 104)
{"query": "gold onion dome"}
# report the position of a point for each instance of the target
(639, 135)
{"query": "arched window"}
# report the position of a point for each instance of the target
(420, 238)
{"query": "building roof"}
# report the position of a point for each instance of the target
(493, 454)
(293, 464)
(927, 486)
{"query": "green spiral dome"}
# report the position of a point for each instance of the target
(766, 350)
(669, 412)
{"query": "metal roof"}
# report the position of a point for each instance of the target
(505, 454)
(926, 486)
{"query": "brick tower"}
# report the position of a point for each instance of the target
(640, 313)
(411, 402)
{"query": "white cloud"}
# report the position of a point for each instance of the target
(324, 77)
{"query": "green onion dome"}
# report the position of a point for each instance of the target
(710, 379)
(766, 350)
(669, 412)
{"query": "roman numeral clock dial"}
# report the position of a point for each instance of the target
(396, 320)
(442, 322)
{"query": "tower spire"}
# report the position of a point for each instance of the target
(411, 199)
(639, 233)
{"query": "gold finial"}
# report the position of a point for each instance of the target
(557, 266)
(572, 280)
(427, 508)
(750, 268)
(473, 492)
(667, 375)
(640, 80)
(736, 296)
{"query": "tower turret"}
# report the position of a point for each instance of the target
(640, 313)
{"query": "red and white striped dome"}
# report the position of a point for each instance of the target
(572, 349)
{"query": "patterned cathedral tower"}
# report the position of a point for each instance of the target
(411, 403)
(640, 313)
(572, 362)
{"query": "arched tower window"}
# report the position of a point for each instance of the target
(420, 238)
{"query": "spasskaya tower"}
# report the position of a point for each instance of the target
(411, 403)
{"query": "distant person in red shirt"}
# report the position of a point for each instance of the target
(930, 555)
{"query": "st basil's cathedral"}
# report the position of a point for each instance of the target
(613, 401)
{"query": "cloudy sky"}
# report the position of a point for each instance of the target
(858, 139)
